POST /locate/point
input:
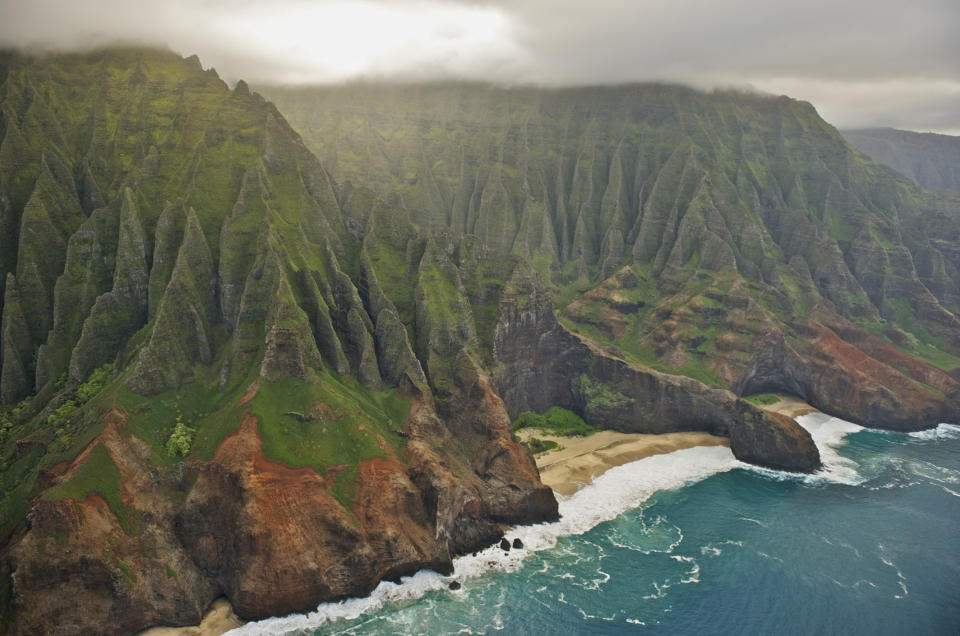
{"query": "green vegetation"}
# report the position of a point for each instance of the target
(556, 421)
(610, 181)
(98, 475)
(918, 342)
(599, 397)
(94, 384)
(178, 445)
(646, 211)
(333, 422)
(62, 414)
(538, 446)
(85, 392)
(127, 572)
(762, 399)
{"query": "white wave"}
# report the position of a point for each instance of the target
(943, 431)
(608, 496)
(828, 434)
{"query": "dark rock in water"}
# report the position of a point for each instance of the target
(454, 585)
(517, 544)
(504, 545)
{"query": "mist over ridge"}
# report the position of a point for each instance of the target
(886, 66)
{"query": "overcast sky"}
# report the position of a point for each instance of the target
(862, 63)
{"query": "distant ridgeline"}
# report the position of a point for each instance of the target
(931, 160)
(734, 238)
(229, 369)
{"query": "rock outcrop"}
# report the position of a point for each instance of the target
(838, 376)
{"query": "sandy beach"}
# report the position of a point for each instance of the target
(580, 459)
(218, 620)
(790, 406)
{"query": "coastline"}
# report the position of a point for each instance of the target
(579, 460)
(574, 464)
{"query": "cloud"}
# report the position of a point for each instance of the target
(885, 62)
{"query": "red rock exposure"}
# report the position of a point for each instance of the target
(844, 376)
(272, 538)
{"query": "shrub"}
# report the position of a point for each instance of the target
(62, 415)
(528, 419)
(95, 383)
(598, 396)
(762, 399)
(180, 439)
(556, 421)
(563, 422)
(537, 445)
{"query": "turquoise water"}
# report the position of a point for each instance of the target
(695, 542)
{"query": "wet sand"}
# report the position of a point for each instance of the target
(218, 620)
(581, 459)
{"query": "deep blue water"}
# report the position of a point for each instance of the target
(697, 543)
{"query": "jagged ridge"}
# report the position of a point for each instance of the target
(685, 228)
(182, 232)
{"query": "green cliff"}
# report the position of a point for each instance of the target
(214, 379)
(734, 238)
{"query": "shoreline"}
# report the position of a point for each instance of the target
(566, 469)
(580, 460)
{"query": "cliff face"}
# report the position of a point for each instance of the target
(733, 238)
(224, 374)
(931, 160)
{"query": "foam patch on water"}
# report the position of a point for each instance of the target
(607, 497)
(943, 431)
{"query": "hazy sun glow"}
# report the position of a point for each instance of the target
(349, 39)
(862, 64)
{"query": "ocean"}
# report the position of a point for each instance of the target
(696, 542)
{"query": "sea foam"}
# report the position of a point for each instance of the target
(943, 431)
